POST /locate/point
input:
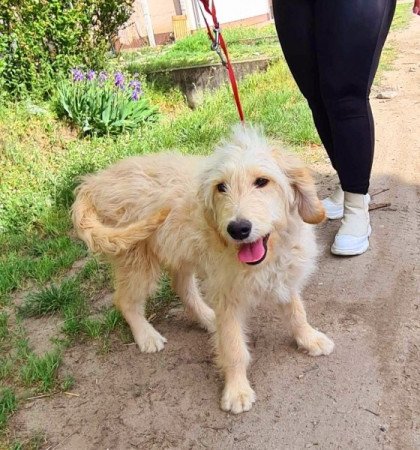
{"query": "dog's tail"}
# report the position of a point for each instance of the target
(101, 238)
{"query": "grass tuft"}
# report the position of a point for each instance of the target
(41, 371)
(4, 331)
(51, 299)
(8, 404)
(67, 383)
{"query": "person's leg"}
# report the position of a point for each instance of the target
(295, 24)
(349, 39)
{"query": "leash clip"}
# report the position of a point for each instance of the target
(215, 45)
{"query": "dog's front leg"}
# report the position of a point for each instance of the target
(311, 340)
(233, 358)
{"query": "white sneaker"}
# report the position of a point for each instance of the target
(353, 236)
(334, 204)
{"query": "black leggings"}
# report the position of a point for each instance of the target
(332, 48)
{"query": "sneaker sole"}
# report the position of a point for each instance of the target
(352, 251)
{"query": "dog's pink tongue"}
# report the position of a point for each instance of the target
(251, 252)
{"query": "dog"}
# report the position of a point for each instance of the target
(233, 227)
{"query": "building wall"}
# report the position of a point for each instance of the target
(134, 32)
(231, 12)
(235, 10)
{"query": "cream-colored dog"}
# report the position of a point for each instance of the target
(230, 226)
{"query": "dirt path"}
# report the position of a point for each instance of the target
(364, 396)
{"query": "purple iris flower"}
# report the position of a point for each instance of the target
(102, 77)
(135, 85)
(78, 75)
(91, 74)
(137, 91)
(119, 80)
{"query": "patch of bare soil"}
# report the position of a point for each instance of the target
(364, 396)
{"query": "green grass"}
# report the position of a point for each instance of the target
(243, 43)
(41, 371)
(33, 258)
(51, 299)
(72, 298)
(67, 383)
(402, 17)
(401, 20)
(6, 368)
(4, 330)
(35, 442)
(8, 404)
(162, 300)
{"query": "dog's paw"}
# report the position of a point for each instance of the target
(237, 399)
(151, 342)
(315, 343)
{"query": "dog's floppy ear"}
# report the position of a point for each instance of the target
(309, 206)
(306, 199)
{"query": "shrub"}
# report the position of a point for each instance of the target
(100, 105)
(42, 38)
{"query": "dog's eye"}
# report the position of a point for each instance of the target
(221, 187)
(261, 182)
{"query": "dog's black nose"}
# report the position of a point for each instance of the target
(239, 229)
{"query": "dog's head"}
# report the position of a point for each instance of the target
(250, 190)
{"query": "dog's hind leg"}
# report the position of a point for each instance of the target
(185, 285)
(311, 340)
(134, 284)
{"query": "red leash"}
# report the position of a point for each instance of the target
(219, 46)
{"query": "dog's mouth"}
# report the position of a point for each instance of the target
(255, 252)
